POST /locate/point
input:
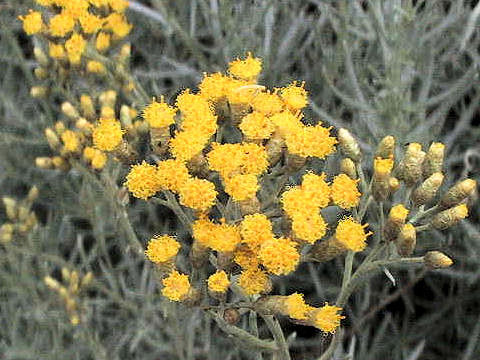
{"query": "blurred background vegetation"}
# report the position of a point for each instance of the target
(394, 67)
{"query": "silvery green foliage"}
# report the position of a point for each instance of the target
(406, 68)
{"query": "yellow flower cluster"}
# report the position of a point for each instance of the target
(351, 234)
(162, 248)
(176, 286)
(218, 282)
(71, 23)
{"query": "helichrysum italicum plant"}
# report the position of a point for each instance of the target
(239, 166)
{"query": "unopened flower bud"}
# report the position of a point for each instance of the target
(108, 98)
(386, 148)
(65, 274)
(74, 320)
(231, 316)
(84, 125)
(458, 193)
(395, 221)
(326, 250)
(51, 283)
(449, 217)
(382, 169)
(44, 163)
(38, 92)
(394, 184)
(59, 127)
(69, 110)
(33, 193)
(347, 166)
(428, 189)
(6, 232)
(86, 280)
(406, 240)
(434, 159)
(40, 56)
(96, 67)
(125, 117)
(410, 168)
(10, 208)
(349, 145)
(87, 107)
(107, 112)
(437, 260)
(40, 73)
(23, 213)
(60, 163)
(52, 139)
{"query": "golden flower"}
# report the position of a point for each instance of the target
(172, 174)
(90, 23)
(279, 255)
(176, 286)
(315, 187)
(326, 318)
(257, 126)
(32, 22)
(286, 122)
(296, 307)
(254, 281)
(185, 145)
(61, 24)
(216, 86)
(142, 180)
(70, 140)
(218, 282)
(247, 69)
(219, 237)
(117, 23)
(96, 67)
(159, 114)
(75, 8)
(198, 194)
(162, 248)
(241, 187)
(351, 234)
(267, 103)
(75, 47)
(309, 228)
(99, 160)
(56, 51)
(383, 167)
(107, 134)
(294, 96)
(118, 5)
(344, 191)
(307, 141)
(298, 202)
(255, 229)
(103, 41)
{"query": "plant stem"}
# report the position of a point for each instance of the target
(277, 333)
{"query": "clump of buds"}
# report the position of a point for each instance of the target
(70, 290)
(21, 218)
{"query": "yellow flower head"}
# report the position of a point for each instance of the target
(351, 234)
(89, 153)
(99, 160)
(203, 125)
(56, 51)
(186, 144)
(279, 256)
(308, 141)
(108, 134)
(294, 96)
(344, 191)
(118, 5)
(102, 42)
(245, 158)
(192, 104)
(241, 187)
(242, 92)
(45, 2)
(218, 282)
(247, 69)
(257, 126)
(219, 237)
(398, 213)
(75, 47)
(216, 86)
(90, 23)
(176, 286)
(246, 257)
(254, 281)
(286, 122)
(297, 202)
(383, 166)
(267, 103)
(317, 188)
(70, 140)
(326, 318)
(142, 180)
(96, 67)
(117, 23)
(75, 8)
(172, 174)
(61, 24)
(198, 194)
(32, 22)
(254, 159)
(159, 114)
(255, 230)
(309, 228)
(162, 248)
(296, 307)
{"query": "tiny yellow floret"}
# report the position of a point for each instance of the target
(296, 307)
(70, 140)
(75, 46)
(247, 69)
(344, 191)
(108, 134)
(294, 96)
(279, 256)
(241, 187)
(351, 234)
(198, 194)
(159, 114)
(61, 24)
(254, 281)
(142, 180)
(327, 318)
(255, 230)
(32, 22)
